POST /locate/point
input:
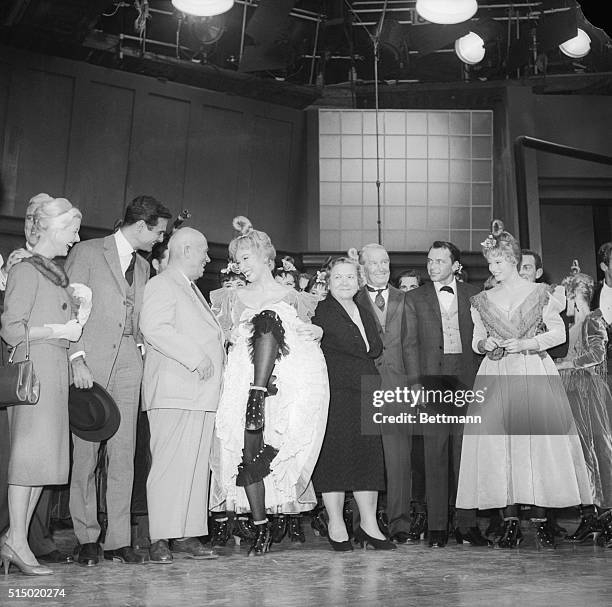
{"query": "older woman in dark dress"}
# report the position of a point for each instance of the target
(349, 460)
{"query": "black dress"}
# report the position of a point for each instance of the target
(349, 460)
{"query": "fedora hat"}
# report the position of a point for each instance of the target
(94, 415)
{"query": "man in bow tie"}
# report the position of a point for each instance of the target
(388, 308)
(181, 388)
(439, 356)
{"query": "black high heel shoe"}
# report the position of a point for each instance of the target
(367, 541)
(588, 530)
(294, 529)
(512, 535)
(544, 535)
(261, 544)
(344, 546)
(278, 528)
(471, 536)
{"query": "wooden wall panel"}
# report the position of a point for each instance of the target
(101, 137)
(158, 149)
(215, 175)
(270, 167)
(100, 150)
(4, 92)
(40, 114)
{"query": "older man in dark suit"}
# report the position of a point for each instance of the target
(108, 354)
(388, 307)
(438, 355)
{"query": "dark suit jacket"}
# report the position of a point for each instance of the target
(425, 340)
(595, 306)
(344, 349)
(390, 364)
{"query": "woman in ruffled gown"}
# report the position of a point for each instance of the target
(525, 450)
(269, 427)
(584, 372)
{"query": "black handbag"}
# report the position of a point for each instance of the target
(18, 382)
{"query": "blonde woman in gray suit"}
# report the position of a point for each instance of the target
(36, 295)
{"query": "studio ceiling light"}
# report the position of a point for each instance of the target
(578, 46)
(446, 11)
(470, 48)
(203, 8)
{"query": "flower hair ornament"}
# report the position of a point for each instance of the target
(321, 277)
(490, 242)
(243, 225)
(287, 265)
(459, 268)
(231, 268)
(575, 268)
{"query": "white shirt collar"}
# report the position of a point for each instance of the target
(124, 248)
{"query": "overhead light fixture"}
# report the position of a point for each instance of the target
(446, 11)
(470, 48)
(578, 46)
(203, 8)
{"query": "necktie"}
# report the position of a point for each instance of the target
(447, 289)
(379, 300)
(129, 271)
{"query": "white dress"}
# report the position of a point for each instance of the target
(526, 450)
(295, 418)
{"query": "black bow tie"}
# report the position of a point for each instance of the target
(447, 289)
(373, 290)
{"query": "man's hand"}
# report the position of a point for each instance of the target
(81, 374)
(15, 257)
(205, 370)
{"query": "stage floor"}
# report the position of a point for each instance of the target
(311, 574)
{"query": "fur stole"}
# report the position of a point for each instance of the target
(49, 269)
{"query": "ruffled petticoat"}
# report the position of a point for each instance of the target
(295, 420)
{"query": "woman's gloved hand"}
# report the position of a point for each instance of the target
(71, 330)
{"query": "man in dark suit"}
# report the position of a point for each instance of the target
(388, 307)
(439, 356)
(108, 353)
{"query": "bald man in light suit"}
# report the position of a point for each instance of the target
(181, 387)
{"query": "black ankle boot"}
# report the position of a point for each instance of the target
(319, 522)
(418, 527)
(544, 535)
(512, 535)
(605, 538)
(278, 528)
(220, 530)
(243, 529)
(261, 544)
(294, 529)
(587, 531)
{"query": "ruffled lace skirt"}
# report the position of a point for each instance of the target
(295, 421)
